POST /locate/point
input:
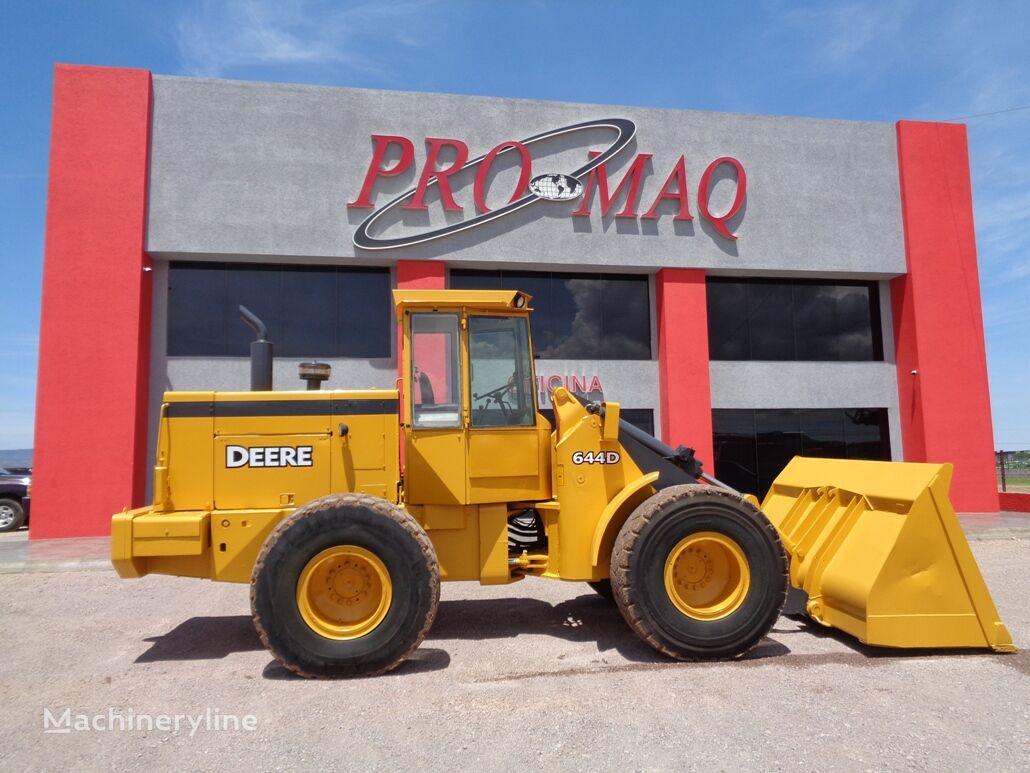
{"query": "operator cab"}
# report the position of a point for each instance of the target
(469, 390)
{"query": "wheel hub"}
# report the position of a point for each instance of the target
(707, 576)
(344, 592)
(349, 582)
(693, 568)
(6, 516)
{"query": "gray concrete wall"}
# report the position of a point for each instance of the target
(233, 373)
(257, 170)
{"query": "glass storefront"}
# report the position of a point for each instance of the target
(310, 311)
(778, 319)
(752, 446)
(577, 316)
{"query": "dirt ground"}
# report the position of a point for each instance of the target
(536, 675)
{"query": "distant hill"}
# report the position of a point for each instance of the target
(16, 457)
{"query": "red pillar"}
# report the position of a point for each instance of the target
(418, 275)
(94, 354)
(938, 322)
(421, 275)
(683, 378)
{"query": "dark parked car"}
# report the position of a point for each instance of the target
(15, 484)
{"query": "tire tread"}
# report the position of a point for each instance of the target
(623, 549)
(332, 502)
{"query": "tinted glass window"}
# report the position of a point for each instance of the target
(822, 433)
(778, 440)
(502, 373)
(753, 446)
(865, 434)
(729, 334)
(196, 310)
(303, 292)
(364, 313)
(310, 311)
(770, 310)
(578, 316)
(435, 371)
(736, 454)
(772, 319)
(626, 311)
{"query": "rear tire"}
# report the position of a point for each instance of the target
(346, 586)
(699, 573)
(12, 515)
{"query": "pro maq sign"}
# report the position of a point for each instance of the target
(447, 163)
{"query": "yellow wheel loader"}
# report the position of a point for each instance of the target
(345, 509)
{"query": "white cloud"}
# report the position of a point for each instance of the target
(843, 35)
(1019, 270)
(218, 38)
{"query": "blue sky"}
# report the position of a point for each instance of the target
(875, 61)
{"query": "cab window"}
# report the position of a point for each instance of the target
(502, 373)
(436, 371)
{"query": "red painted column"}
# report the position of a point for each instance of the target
(415, 275)
(418, 275)
(421, 275)
(683, 378)
(94, 353)
(938, 321)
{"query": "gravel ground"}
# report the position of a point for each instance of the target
(536, 675)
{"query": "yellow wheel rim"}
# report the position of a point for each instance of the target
(344, 592)
(707, 576)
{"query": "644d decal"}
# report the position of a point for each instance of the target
(596, 457)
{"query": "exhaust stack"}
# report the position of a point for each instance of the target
(260, 353)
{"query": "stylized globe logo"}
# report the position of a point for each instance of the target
(556, 187)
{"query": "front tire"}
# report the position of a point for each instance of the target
(12, 515)
(346, 586)
(699, 573)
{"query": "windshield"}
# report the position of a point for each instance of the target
(502, 372)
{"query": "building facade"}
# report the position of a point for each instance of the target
(752, 286)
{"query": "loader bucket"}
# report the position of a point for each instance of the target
(879, 551)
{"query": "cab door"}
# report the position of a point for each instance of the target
(436, 416)
(508, 442)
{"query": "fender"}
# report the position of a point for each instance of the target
(614, 508)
